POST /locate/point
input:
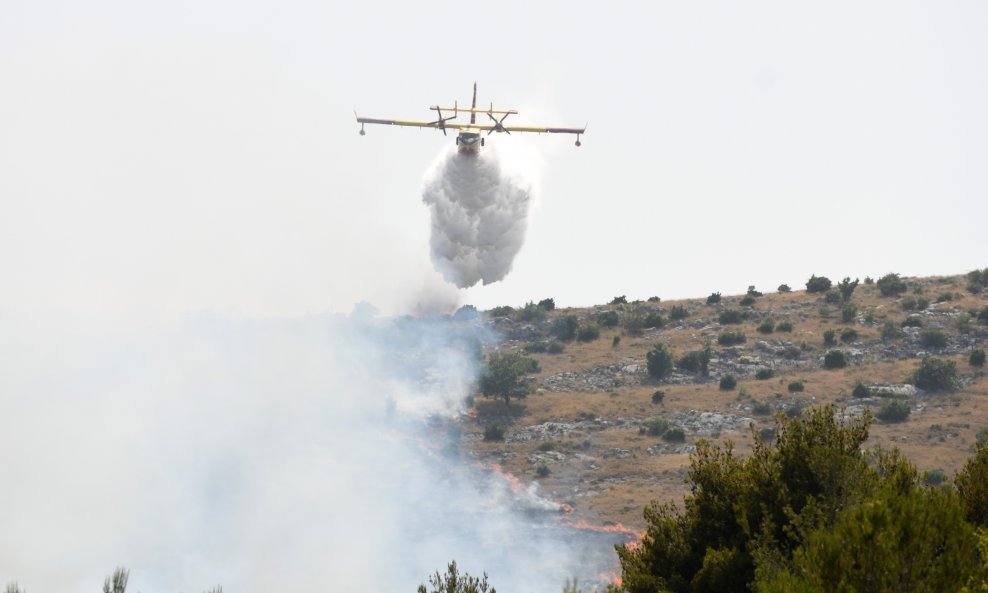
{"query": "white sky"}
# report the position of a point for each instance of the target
(176, 156)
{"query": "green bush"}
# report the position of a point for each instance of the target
(530, 312)
(832, 296)
(503, 377)
(587, 333)
(695, 361)
(764, 373)
(829, 338)
(983, 315)
(616, 341)
(731, 337)
(913, 321)
(608, 318)
(977, 280)
(935, 374)
(732, 316)
(891, 285)
(542, 470)
(784, 288)
(654, 299)
(894, 410)
(835, 359)
(633, 323)
(784, 326)
(564, 327)
(933, 338)
(891, 331)
(675, 435)
(766, 434)
(653, 320)
(619, 300)
(678, 312)
(976, 358)
(817, 284)
(494, 432)
(846, 288)
(860, 390)
(761, 408)
(747, 301)
(795, 409)
(766, 327)
(547, 304)
(658, 397)
(655, 426)
(502, 311)
(752, 292)
(796, 386)
(848, 335)
(659, 361)
(728, 382)
(714, 298)
(934, 477)
(962, 323)
(848, 312)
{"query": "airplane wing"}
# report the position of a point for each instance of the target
(400, 122)
(532, 129)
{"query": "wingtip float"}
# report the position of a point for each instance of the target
(469, 138)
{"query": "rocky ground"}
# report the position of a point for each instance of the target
(585, 434)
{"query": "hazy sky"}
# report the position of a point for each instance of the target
(174, 156)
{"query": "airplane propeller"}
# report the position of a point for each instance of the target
(498, 124)
(441, 122)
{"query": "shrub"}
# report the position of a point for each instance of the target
(983, 315)
(869, 280)
(766, 434)
(908, 303)
(977, 280)
(894, 410)
(934, 477)
(587, 333)
(846, 288)
(976, 358)
(848, 335)
(747, 301)
(832, 296)
(848, 312)
(619, 300)
(675, 435)
(860, 390)
(466, 313)
(564, 328)
(659, 361)
(730, 338)
(653, 320)
(547, 304)
(608, 318)
(695, 361)
(835, 359)
(728, 382)
(503, 377)
(817, 284)
(829, 338)
(502, 311)
(752, 292)
(633, 323)
(891, 285)
(656, 426)
(795, 409)
(962, 323)
(678, 312)
(537, 347)
(530, 312)
(784, 288)
(542, 470)
(935, 374)
(732, 316)
(761, 408)
(658, 397)
(555, 347)
(764, 373)
(766, 327)
(913, 321)
(616, 341)
(494, 432)
(714, 298)
(784, 326)
(654, 299)
(796, 386)
(933, 338)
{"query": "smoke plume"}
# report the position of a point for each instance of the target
(479, 216)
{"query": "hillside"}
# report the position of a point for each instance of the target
(589, 431)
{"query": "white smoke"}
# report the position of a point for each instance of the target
(479, 215)
(318, 453)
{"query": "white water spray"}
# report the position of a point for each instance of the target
(479, 216)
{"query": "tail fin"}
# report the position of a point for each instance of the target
(473, 114)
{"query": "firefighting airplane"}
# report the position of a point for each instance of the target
(469, 139)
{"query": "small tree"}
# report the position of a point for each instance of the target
(818, 284)
(972, 485)
(547, 304)
(564, 328)
(846, 288)
(935, 374)
(504, 376)
(714, 298)
(117, 583)
(784, 288)
(835, 359)
(891, 285)
(454, 582)
(696, 361)
(976, 358)
(659, 361)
